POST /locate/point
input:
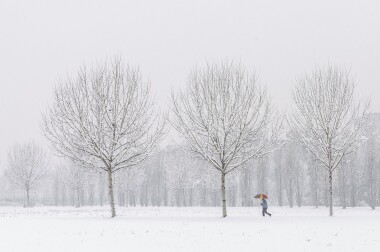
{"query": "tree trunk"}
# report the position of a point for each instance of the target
(316, 198)
(73, 198)
(81, 197)
(101, 189)
(110, 192)
(191, 197)
(27, 198)
(91, 196)
(134, 198)
(279, 191)
(204, 199)
(146, 198)
(64, 196)
(184, 197)
(126, 198)
(326, 191)
(330, 192)
(78, 198)
(224, 207)
(215, 198)
(278, 177)
(158, 198)
(298, 193)
(316, 188)
(344, 199)
(177, 196)
(290, 193)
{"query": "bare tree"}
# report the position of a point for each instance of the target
(225, 117)
(101, 187)
(75, 178)
(27, 165)
(261, 175)
(343, 181)
(291, 161)
(104, 119)
(314, 180)
(372, 167)
(294, 175)
(246, 182)
(182, 172)
(326, 119)
(127, 183)
(279, 174)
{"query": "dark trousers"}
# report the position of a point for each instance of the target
(265, 212)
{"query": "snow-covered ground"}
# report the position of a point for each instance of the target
(188, 229)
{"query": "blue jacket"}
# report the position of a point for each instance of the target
(264, 204)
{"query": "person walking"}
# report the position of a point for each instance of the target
(265, 207)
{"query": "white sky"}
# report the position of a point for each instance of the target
(41, 41)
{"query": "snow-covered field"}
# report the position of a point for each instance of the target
(188, 229)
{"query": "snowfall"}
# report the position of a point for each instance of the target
(188, 229)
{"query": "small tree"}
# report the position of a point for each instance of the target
(27, 165)
(75, 178)
(104, 119)
(314, 180)
(182, 173)
(326, 119)
(371, 166)
(279, 173)
(127, 183)
(225, 116)
(294, 172)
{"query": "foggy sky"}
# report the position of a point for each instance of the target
(41, 41)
